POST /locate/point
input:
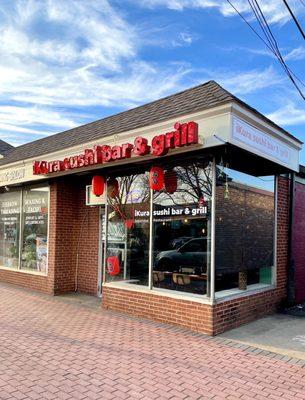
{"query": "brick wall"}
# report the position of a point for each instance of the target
(75, 257)
(73, 229)
(185, 313)
(224, 315)
(298, 243)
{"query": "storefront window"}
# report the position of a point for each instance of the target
(24, 229)
(181, 227)
(9, 228)
(244, 241)
(34, 253)
(127, 256)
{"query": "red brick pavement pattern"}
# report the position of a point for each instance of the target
(52, 349)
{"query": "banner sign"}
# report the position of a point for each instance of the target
(258, 141)
(182, 135)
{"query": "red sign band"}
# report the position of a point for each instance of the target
(183, 135)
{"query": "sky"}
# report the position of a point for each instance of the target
(64, 63)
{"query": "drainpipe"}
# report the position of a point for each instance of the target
(291, 263)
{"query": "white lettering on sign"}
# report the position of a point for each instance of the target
(260, 141)
(13, 175)
(170, 211)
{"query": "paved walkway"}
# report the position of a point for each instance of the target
(56, 349)
(278, 333)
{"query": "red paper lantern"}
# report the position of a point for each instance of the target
(113, 188)
(98, 185)
(170, 181)
(129, 223)
(156, 178)
(113, 265)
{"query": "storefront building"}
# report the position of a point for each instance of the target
(178, 211)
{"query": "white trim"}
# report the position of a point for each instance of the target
(214, 112)
(100, 253)
(151, 240)
(24, 271)
(106, 239)
(260, 123)
(231, 294)
(20, 229)
(159, 292)
(213, 235)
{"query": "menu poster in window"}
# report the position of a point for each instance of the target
(41, 253)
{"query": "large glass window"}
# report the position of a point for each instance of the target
(178, 254)
(9, 228)
(24, 228)
(244, 242)
(34, 251)
(128, 229)
(181, 228)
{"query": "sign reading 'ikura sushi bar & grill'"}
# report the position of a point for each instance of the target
(182, 135)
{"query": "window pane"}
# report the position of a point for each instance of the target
(35, 229)
(182, 230)
(244, 229)
(9, 229)
(128, 229)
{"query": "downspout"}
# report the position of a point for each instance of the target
(290, 255)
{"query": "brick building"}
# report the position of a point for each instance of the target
(186, 210)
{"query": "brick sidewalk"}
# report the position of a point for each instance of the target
(52, 349)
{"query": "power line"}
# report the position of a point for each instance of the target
(294, 18)
(273, 50)
(272, 40)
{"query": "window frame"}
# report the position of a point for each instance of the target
(210, 297)
(21, 232)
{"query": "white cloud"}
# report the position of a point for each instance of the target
(21, 123)
(296, 54)
(71, 53)
(274, 10)
(288, 115)
(251, 81)
(243, 83)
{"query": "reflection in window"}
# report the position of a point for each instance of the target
(181, 222)
(244, 229)
(34, 252)
(9, 228)
(128, 229)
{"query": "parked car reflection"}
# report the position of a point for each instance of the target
(191, 257)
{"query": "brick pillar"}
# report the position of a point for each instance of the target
(74, 238)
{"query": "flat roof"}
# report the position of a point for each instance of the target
(204, 96)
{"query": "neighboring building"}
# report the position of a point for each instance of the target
(208, 249)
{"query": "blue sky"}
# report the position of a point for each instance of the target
(67, 62)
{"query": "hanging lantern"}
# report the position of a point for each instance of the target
(156, 178)
(98, 185)
(170, 181)
(202, 202)
(113, 188)
(113, 265)
(129, 223)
